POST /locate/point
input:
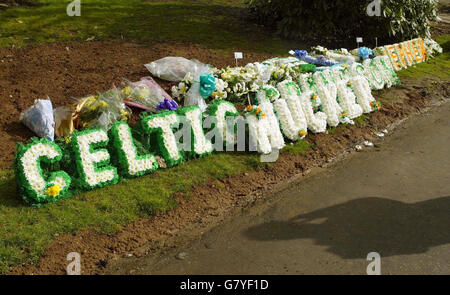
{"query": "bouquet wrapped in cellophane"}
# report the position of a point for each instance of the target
(101, 110)
(145, 92)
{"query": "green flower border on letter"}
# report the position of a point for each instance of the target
(374, 75)
(99, 167)
(212, 111)
(320, 79)
(388, 68)
(158, 133)
(127, 154)
(30, 194)
(270, 93)
(200, 146)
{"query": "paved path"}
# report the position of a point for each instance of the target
(394, 200)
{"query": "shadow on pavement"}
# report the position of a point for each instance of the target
(355, 228)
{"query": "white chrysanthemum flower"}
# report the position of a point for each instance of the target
(221, 85)
(175, 92)
(258, 134)
(330, 106)
(89, 159)
(189, 78)
(220, 115)
(201, 144)
(169, 140)
(135, 165)
(182, 88)
(363, 93)
(317, 122)
(386, 70)
(265, 130)
(30, 165)
(289, 110)
(347, 100)
(373, 74)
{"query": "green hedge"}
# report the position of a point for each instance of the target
(345, 19)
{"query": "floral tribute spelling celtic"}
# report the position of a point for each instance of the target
(285, 100)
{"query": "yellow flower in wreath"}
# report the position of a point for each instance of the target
(124, 114)
(53, 191)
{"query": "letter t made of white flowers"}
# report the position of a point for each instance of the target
(160, 125)
(130, 163)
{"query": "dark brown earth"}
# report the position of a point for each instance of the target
(217, 201)
(67, 71)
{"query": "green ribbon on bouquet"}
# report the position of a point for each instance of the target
(207, 85)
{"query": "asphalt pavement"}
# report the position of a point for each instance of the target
(393, 199)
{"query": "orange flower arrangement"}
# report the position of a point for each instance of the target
(376, 105)
(258, 112)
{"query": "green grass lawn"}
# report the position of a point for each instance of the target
(213, 24)
(25, 231)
